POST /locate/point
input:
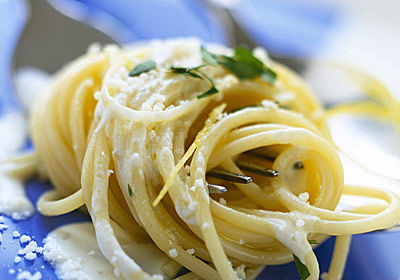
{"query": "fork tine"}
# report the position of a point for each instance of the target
(268, 172)
(216, 188)
(229, 176)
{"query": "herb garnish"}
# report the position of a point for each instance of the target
(143, 67)
(301, 268)
(208, 57)
(243, 64)
(130, 192)
(282, 106)
(313, 241)
(194, 72)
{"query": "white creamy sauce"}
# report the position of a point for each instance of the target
(13, 131)
(74, 254)
(30, 84)
(13, 201)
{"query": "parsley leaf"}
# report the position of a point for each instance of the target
(143, 67)
(186, 71)
(285, 107)
(246, 56)
(238, 68)
(243, 64)
(301, 268)
(268, 76)
(208, 57)
(130, 192)
(209, 92)
(194, 72)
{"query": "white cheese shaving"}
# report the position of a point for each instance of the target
(269, 105)
(222, 201)
(26, 275)
(300, 223)
(190, 251)
(116, 272)
(240, 271)
(30, 256)
(304, 196)
(173, 253)
(24, 239)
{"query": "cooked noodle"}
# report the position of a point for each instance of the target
(97, 131)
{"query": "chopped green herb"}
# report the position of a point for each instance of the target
(245, 107)
(143, 67)
(208, 57)
(285, 107)
(194, 72)
(238, 68)
(209, 92)
(246, 56)
(130, 192)
(243, 64)
(301, 268)
(313, 241)
(268, 76)
(186, 71)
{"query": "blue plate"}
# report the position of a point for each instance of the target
(372, 256)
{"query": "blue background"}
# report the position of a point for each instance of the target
(372, 256)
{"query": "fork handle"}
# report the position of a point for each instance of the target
(13, 16)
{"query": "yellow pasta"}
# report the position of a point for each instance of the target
(136, 151)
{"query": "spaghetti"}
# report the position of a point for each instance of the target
(136, 151)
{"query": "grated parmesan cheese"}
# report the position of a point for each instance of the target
(26, 275)
(300, 223)
(30, 256)
(24, 239)
(222, 201)
(190, 251)
(304, 196)
(173, 253)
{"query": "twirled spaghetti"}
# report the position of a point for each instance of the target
(113, 143)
